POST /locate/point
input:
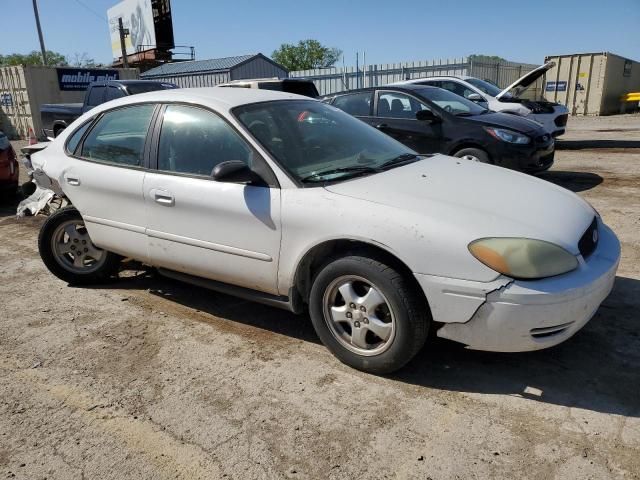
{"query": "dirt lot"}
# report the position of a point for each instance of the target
(148, 378)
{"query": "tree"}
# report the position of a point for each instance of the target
(306, 55)
(54, 59)
(83, 60)
(486, 58)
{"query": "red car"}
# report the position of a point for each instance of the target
(8, 167)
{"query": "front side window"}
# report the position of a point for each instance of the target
(484, 86)
(119, 136)
(358, 104)
(398, 105)
(315, 142)
(194, 141)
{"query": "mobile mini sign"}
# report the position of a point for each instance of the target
(74, 79)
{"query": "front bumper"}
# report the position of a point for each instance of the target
(532, 315)
(525, 158)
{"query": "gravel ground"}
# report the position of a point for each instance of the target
(149, 378)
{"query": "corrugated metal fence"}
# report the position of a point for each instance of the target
(338, 79)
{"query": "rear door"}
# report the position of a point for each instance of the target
(222, 231)
(104, 177)
(395, 115)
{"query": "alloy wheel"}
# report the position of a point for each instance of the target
(359, 315)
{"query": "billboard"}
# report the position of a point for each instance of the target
(79, 78)
(137, 17)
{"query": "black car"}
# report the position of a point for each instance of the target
(433, 120)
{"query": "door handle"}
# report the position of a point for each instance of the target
(73, 181)
(382, 126)
(163, 197)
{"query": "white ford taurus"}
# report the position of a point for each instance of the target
(292, 202)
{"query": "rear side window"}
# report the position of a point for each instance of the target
(96, 96)
(194, 141)
(119, 136)
(358, 104)
(75, 137)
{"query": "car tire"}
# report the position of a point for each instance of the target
(473, 154)
(390, 330)
(68, 253)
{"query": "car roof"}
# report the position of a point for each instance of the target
(439, 77)
(268, 80)
(218, 98)
(397, 86)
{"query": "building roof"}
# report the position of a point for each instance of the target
(200, 66)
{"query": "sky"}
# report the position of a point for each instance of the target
(388, 32)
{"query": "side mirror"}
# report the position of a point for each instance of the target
(475, 97)
(427, 116)
(236, 171)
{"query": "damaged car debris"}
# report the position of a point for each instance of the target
(42, 195)
(294, 203)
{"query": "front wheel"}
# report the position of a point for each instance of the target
(69, 253)
(368, 314)
(473, 155)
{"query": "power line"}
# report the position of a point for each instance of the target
(88, 8)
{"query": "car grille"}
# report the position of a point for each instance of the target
(543, 138)
(561, 120)
(589, 240)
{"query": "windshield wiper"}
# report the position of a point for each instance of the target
(348, 171)
(465, 114)
(400, 159)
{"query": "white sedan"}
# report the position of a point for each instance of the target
(291, 202)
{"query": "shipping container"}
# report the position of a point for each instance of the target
(23, 89)
(592, 83)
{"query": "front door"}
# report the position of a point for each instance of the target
(222, 231)
(395, 115)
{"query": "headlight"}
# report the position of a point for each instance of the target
(508, 136)
(523, 257)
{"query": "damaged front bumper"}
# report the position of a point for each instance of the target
(516, 316)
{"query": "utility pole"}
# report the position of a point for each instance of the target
(44, 51)
(123, 33)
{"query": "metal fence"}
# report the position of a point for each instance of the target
(338, 79)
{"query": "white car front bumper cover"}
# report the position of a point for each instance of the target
(532, 315)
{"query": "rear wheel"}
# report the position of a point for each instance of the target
(368, 314)
(69, 253)
(473, 155)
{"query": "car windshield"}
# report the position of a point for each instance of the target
(316, 142)
(486, 87)
(450, 102)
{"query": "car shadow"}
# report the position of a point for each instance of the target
(598, 369)
(574, 181)
(594, 144)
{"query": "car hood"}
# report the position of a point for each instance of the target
(475, 200)
(523, 82)
(506, 120)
